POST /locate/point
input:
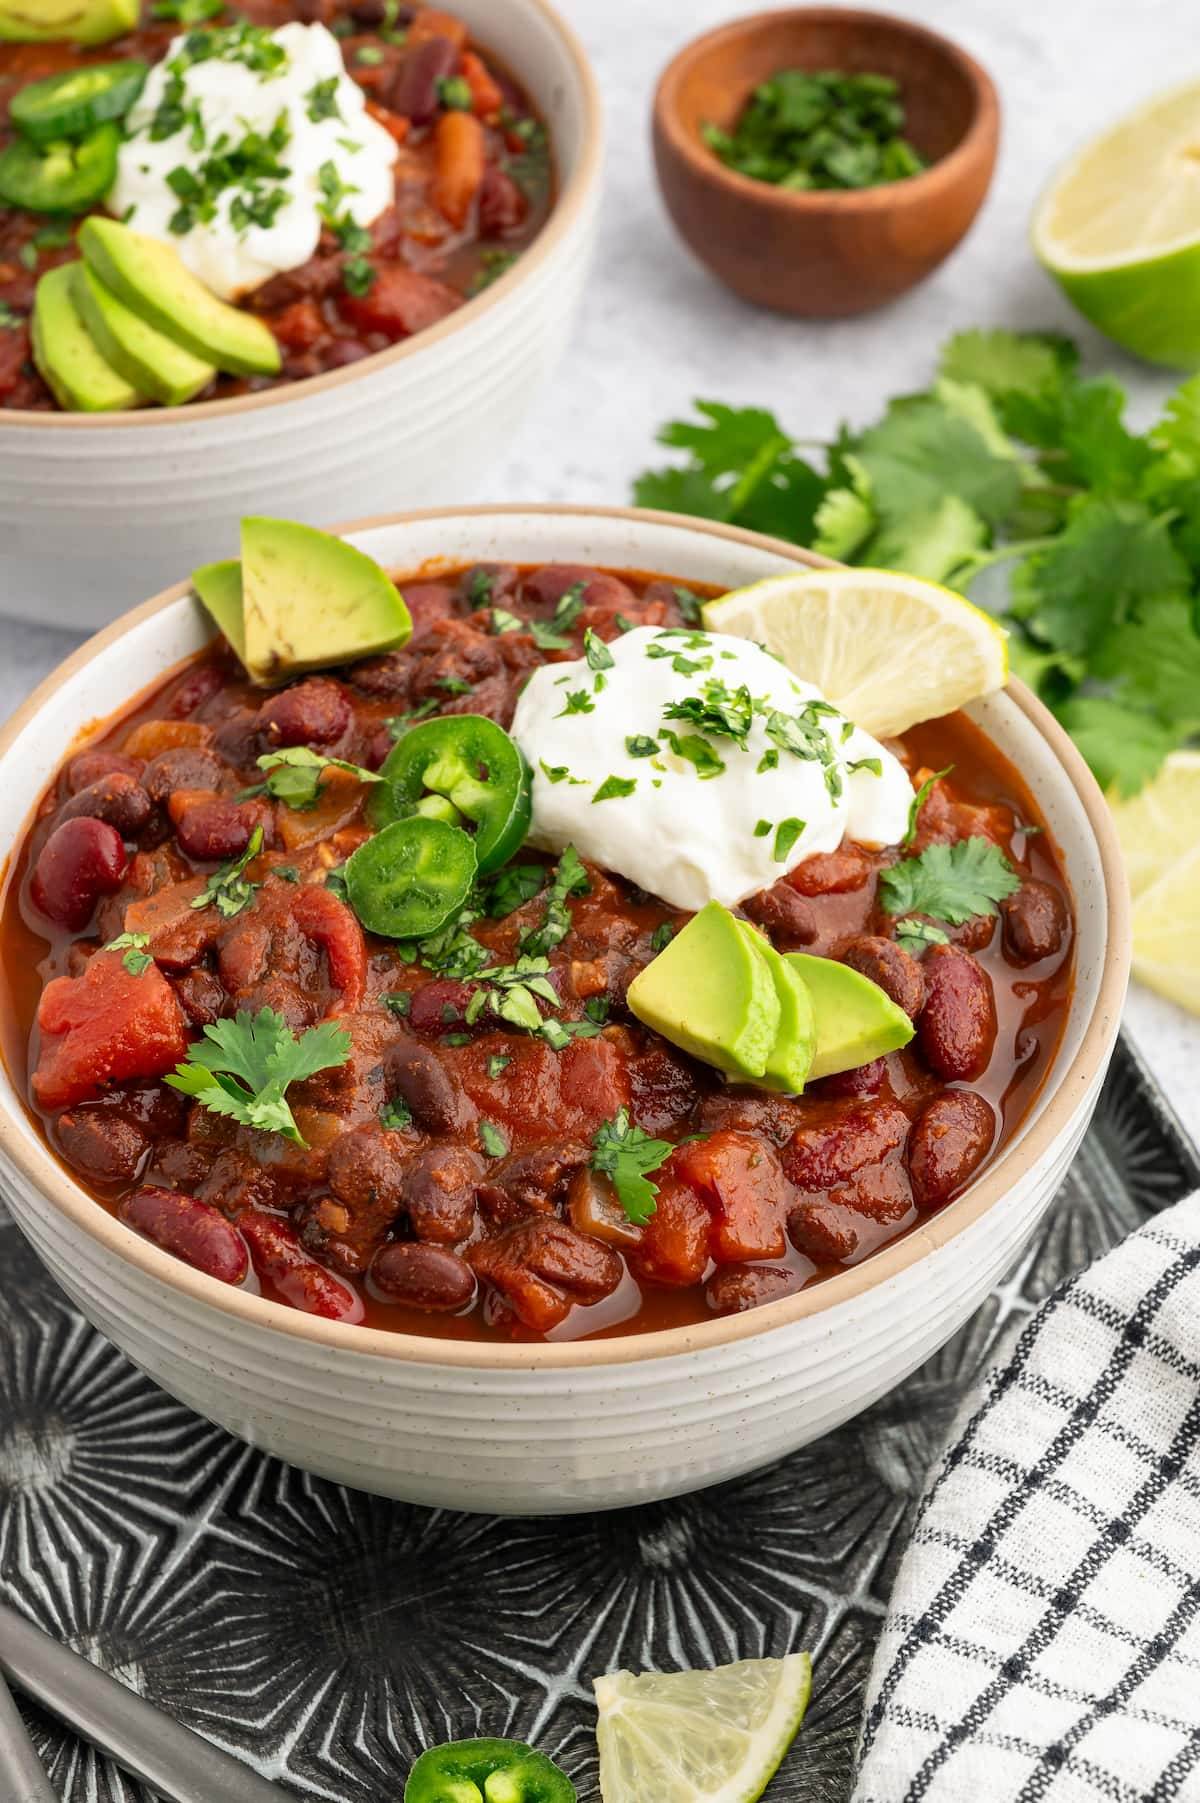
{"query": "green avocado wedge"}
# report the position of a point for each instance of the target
(711, 993)
(155, 283)
(311, 600)
(154, 363)
(219, 587)
(790, 1058)
(79, 377)
(855, 1021)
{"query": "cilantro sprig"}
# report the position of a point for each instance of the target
(294, 776)
(1010, 461)
(627, 1156)
(229, 889)
(242, 1068)
(953, 883)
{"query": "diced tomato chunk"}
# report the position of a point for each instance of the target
(104, 1027)
(740, 1181)
(568, 1094)
(330, 924)
(674, 1246)
(399, 302)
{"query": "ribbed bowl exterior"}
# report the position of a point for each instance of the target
(558, 1429)
(95, 514)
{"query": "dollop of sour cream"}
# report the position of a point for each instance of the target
(630, 767)
(243, 143)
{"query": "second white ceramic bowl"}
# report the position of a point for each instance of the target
(95, 509)
(558, 1428)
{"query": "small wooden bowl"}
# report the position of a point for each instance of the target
(825, 254)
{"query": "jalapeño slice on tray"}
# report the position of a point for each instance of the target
(465, 770)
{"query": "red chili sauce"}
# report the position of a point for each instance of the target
(473, 188)
(485, 1214)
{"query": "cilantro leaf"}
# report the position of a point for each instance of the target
(625, 1154)
(242, 1068)
(913, 935)
(933, 542)
(295, 776)
(228, 889)
(1124, 745)
(137, 959)
(920, 452)
(951, 882)
(1111, 556)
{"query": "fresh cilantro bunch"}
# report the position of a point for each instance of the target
(1011, 459)
(243, 1067)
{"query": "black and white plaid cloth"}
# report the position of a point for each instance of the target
(1043, 1639)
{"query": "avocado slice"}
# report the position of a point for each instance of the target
(76, 21)
(310, 600)
(711, 993)
(790, 1058)
(219, 586)
(855, 1020)
(153, 362)
(153, 280)
(79, 377)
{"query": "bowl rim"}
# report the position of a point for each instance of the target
(1067, 1089)
(563, 217)
(929, 184)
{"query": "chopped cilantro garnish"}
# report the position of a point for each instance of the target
(641, 745)
(597, 653)
(501, 620)
(396, 1115)
(398, 1001)
(228, 890)
(578, 701)
(492, 1140)
(786, 835)
(662, 936)
(294, 776)
(952, 882)
(321, 100)
(626, 1155)
(918, 802)
(570, 879)
(454, 92)
(615, 788)
(697, 751)
(137, 959)
(914, 935)
(242, 1068)
(496, 1064)
(762, 828)
(453, 685)
(512, 887)
(368, 56)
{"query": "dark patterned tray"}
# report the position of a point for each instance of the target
(326, 1636)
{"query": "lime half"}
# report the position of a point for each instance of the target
(1157, 830)
(699, 1737)
(1119, 230)
(888, 650)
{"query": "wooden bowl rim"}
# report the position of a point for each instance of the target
(974, 144)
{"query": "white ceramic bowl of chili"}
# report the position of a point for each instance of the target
(94, 508)
(594, 1424)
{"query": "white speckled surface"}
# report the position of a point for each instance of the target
(655, 330)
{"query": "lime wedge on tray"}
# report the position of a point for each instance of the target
(1119, 230)
(699, 1737)
(888, 650)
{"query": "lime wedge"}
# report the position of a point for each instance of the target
(699, 1737)
(1119, 230)
(888, 650)
(1166, 933)
(1156, 824)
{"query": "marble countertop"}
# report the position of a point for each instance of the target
(655, 330)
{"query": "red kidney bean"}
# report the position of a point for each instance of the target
(738, 1287)
(957, 1027)
(867, 1080)
(101, 1144)
(280, 1259)
(890, 966)
(193, 1231)
(211, 828)
(201, 995)
(186, 767)
(90, 766)
(831, 873)
(425, 1277)
(826, 1153)
(440, 1006)
(118, 799)
(1036, 922)
(199, 686)
(439, 1192)
(568, 1260)
(950, 1139)
(315, 712)
(502, 206)
(785, 913)
(81, 861)
(413, 88)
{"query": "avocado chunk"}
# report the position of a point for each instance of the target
(710, 992)
(219, 587)
(152, 279)
(78, 376)
(154, 363)
(790, 1058)
(76, 21)
(855, 1020)
(310, 600)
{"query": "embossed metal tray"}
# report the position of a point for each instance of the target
(326, 1637)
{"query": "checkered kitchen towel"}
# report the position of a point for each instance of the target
(1043, 1639)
